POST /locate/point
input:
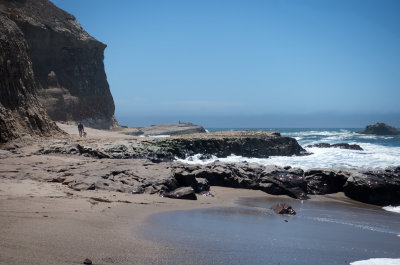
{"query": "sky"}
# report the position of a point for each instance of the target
(237, 63)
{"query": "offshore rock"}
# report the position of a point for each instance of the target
(339, 145)
(63, 65)
(380, 129)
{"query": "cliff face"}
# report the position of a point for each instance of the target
(20, 111)
(66, 61)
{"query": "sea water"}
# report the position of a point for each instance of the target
(322, 232)
(379, 151)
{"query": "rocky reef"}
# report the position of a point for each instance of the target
(338, 145)
(57, 61)
(259, 144)
(380, 129)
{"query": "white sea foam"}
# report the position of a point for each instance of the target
(395, 209)
(381, 261)
(373, 156)
(359, 225)
(155, 136)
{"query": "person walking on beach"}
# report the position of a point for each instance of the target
(80, 129)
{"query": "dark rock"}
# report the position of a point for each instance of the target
(278, 181)
(379, 187)
(186, 193)
(20, 110)
(202, 185)
(325, 181)
(339, 145)
(283, 208)
(380, 129)
(87, 261)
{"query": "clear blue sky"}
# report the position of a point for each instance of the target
(305, 63)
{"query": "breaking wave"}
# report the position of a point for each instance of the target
(379, 151)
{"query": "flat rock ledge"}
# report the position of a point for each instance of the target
(258, 144)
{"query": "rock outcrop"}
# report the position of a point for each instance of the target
(64, 61)
(20, 111)
(339, 145)
(259, 144)
(380, 129)
(87, 168)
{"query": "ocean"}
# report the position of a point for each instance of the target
(329, 231)
(379, 151)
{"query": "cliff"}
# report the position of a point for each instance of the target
(20, 110)
(65, 61)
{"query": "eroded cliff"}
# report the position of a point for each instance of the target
(59, 64)
(20, 111)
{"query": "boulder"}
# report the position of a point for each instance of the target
(380, 129)
(283, 208)
(186, 193)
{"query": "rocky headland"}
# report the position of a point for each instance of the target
(380, 129)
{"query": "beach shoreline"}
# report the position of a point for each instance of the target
(47, 221)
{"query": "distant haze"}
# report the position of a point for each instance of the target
(232, 63)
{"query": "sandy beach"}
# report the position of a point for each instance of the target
(47, 219)
(46, 223)
(49, 223)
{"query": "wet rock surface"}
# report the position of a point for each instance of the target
(339, 145)
(380, 129)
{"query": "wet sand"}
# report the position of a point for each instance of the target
(326, 230)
